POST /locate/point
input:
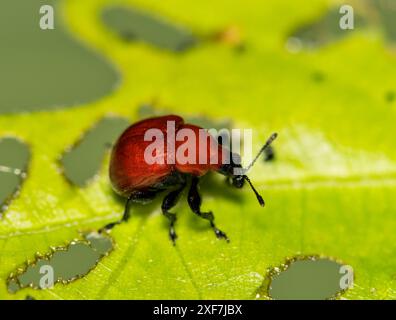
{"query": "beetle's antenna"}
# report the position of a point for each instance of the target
(264, 147)
(259, 198)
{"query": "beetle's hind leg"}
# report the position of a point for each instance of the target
(141, 196)
(125, 217)
(194, 201)
(169, 202)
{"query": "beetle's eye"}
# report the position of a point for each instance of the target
(238, 182)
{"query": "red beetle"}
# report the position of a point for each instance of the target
(140, 180)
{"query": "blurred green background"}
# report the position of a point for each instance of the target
(282, 66)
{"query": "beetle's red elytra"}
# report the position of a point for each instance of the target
(140, 180)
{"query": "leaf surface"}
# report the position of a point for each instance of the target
(329, 192)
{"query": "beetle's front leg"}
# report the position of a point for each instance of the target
(194, 201)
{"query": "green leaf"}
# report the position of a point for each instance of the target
(330, 191)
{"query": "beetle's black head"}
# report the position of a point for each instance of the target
(237, 174)
(238, 181)
(234, 179)
(233, 170)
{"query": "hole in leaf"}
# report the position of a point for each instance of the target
(321, 32)
(386, 10)
(305, 278)
(326, 29)
(14, 159)
(83, 161)
(68, 263)
(135, 25)
(46, 69)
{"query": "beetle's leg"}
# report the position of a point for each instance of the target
(125, 217)
(135, 197)
(194, 201)
(169, 202)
